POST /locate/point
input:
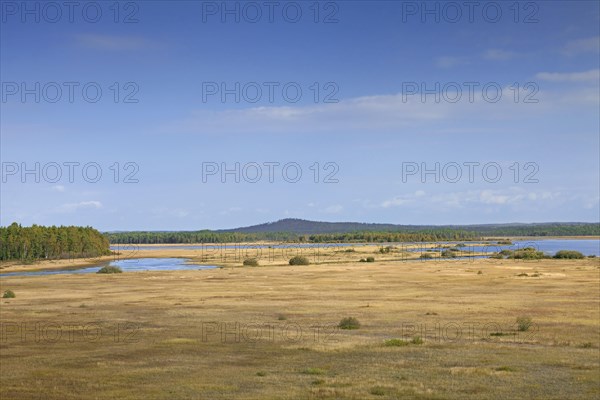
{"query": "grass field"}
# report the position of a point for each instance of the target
(270, 332)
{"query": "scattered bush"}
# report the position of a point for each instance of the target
(497, 256)
(109, 269)
(479, 272)
(506, 369)
(570, 254)
(8, 294)
(523, 274)
(313, 371)
(524, 323)
(281, 317)
(426, 255)
(377, 391)
(261, 373)
(417, 340)
(370, 259)
(349, 251)
(385, 250)
(586, 345)
(349, 323)
(448, 253)
(395, 343)
(505, 242)
(592, 256)
(251, 262)
(299, 260)
(362, 260)
(506, 252)
(528, 253)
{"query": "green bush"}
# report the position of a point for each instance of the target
(313, 371)
(109, 269)
(349, 323)
(251, 262)
(505, 242)
(395, 343)
(448, 253)
(299, 260)
(377, 391)
(506, 252)
(524, 323)
(385, 250)
(370, 259)
(426, 255)
(417, 340)
(528, 253)
(8, 294)
(497, 256)
(571, 254)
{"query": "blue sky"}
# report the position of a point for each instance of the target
(368, 125)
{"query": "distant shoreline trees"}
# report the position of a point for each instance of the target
(51, 242)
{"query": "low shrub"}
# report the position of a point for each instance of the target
(528, 253)
(448, 254)
(349, 323)
(377, 391)
(313, 371)
(251, 262)
(524, 323)
(8, 294)
(109, 269)
(395, 343)
(570, 254)
(426, 255)
(299, 260)
(370, 259)
(417, 340)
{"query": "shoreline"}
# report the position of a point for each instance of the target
(227, 257)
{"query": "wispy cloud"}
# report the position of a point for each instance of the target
(499, 55)
(592, 75)
(384, 113)
(113, 42)
(450, 62)
(72, 207)
(58, 188)
(579, 46)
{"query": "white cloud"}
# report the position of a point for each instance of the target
(333, 209)
(592, 75)
(58, 188)
(499, 55)
(112, 42)
(450, 62)
(393, 113)
(586, 45)
(72, 207)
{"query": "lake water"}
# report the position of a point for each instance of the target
(132, 265)
(549, 246)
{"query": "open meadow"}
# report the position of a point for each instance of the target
(428, 330)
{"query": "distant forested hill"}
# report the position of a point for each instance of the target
(301, 226)
(298, 230)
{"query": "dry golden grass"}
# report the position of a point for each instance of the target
(155, 335)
